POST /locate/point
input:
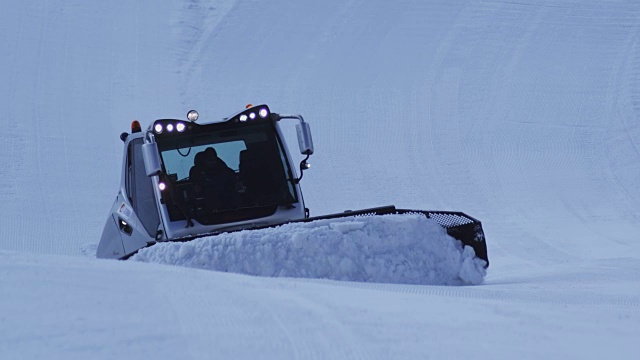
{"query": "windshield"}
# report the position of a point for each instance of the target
(225, 172)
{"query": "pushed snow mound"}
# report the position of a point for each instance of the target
(404, 249)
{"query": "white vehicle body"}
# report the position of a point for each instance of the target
(158, 199)
(182, 180)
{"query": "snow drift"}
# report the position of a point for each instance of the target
(403, 249)
(523, 114)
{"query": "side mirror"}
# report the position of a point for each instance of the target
(306, 146)
(151, 159)
(304, 138)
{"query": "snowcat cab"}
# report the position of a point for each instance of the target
(168, 191)
(182, 180)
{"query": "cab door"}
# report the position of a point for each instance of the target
(137, 214)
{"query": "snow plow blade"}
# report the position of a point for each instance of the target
(457, 224)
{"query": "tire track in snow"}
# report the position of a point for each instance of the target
(16, 149)
(519, 141)
(332, 340)
(214, 325)
(13, 146)
(470, 155)
(628, 85)
(275, 322)
(632, 81)
(196, 23)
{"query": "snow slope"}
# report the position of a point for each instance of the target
(522, 114)
(61, 307)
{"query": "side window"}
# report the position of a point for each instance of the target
(140, 189)
(129, 176)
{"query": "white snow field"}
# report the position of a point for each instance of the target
(521, 114)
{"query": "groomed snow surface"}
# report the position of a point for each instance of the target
(401, 249)
(522, 114)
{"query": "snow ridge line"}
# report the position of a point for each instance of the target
(485, 292)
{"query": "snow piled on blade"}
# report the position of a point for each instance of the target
(402, 249)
